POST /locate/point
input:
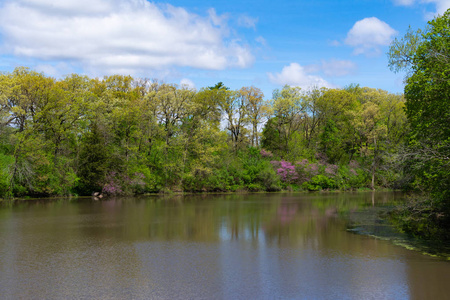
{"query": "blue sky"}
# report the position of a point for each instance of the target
(262, 43)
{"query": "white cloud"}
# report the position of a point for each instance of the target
(116, 36)
(216, 19)
(404, 2)
(441, 6)
(333, 68)
(247, 22)
(367, 35)
(296, 75)
(187, 83)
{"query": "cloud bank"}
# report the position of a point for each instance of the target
(296, 75)
(367, 35)
(119, 36)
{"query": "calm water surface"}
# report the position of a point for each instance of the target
(257, 246)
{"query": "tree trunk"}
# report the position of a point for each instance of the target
(374, 163)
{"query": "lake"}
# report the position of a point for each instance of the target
(242, 246)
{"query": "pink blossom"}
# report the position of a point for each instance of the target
(266, 153)
(331, 169)
(287, 171)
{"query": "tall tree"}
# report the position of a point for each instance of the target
(427, 94)
(289, 108)
(235, 111)
(257, 110)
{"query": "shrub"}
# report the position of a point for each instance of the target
(266, 153)
(120, 184)
(319, 182)
(286, 171)
(254, 187)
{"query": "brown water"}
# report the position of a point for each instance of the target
(260, 246)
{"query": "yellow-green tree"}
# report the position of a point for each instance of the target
(235, 111)
(289, 109)
(257, 110)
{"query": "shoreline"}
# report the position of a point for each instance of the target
(178, 193)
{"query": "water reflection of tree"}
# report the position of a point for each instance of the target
(296, 222)
(271, 218)
(235, 217)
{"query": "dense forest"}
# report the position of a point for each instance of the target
(120, 135)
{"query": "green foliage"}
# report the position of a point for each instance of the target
(6, 162)
(319, 182)
(428, 95)
(427, 57)
(246, 170)
(351, 177)
(122, 135)
(152, 182)
(94, 162)
(422, 217)
(53, 178)
(260, 171)
(330, 141)
(271, 136)
(402, 50)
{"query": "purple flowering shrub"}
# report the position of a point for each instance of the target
(137, 183)
(312, 169)
(331, 170)
(265, 153)
(112, 184)
(118, 184)
(353, 165)
(286, 171)
(308, 170)
(320, 174)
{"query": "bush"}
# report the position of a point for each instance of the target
(123, 184)
(269, 179)
(254, 187)
(319, 182)
(351, 177)
(286, 171)
(152, 182)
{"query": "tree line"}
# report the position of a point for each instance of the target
(125, 135)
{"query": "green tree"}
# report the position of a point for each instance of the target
(235, 111)
(257, 110)
(333, 111)
(427, 94)
(24, 92)
(271, 136)
(289, 108)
